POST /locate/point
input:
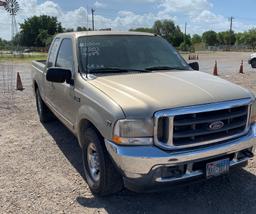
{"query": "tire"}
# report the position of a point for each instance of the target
(44, 113)
(253, 63)
(105, 180)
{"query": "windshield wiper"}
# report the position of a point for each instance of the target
(114, 70)
(159, 68)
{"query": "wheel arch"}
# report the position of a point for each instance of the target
(253, 62)
(82, 126)
(35, 85)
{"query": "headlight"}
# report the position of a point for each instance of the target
(134, 132)
(253, 113)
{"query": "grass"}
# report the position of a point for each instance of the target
(22, 58)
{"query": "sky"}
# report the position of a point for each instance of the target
(200, 15)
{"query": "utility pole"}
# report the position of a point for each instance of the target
(185, 28)
(185, 34)
(93, 18)
(230, 30)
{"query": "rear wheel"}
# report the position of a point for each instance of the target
(101, 175)
(44, 113)
(253, 63)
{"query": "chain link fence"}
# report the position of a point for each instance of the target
(7, 85)
(8, 77)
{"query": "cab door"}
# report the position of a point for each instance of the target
(62, 94)
(48, 86)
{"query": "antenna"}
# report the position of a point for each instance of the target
(86, 46)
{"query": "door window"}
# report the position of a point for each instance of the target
(65, 55)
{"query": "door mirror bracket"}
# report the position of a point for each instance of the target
(194, 66)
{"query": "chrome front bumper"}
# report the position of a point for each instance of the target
(136, 162)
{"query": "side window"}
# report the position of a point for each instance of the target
(53, 52)
(65, 55)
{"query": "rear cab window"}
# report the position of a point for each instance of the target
(53, 52)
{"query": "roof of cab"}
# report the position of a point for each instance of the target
(101, 33)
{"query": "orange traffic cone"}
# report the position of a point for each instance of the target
(241, 70)
(19, 85)
(215, 70)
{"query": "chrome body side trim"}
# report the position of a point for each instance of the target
(171, 113)
(136, 161)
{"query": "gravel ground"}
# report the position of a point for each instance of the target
(41, 169)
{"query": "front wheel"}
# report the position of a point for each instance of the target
(101, 175)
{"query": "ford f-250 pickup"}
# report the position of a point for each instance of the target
(143, 117)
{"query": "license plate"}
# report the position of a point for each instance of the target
(217, 168)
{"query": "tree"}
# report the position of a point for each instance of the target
(240, 38)
(224, 38)
(37, 30)
(210, 38)
(68, 30)
(186, 45)
(196, 39)
(250, 38)
(169, 31)
(145, 30)
(4, 44)
(81, 29)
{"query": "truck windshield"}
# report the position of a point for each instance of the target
(128, 53)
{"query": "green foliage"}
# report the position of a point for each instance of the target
(226, 38)
(68, 30)
(145, 30)
(186, 45)
(196, 39)
(168, 30)
(210, 38)
(4, 45)
(82, 29)
(250, 38)
(240, 38)
(37, 31)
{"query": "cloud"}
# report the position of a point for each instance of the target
(124, 20)
(198, 14)
(185, 6)
(98, 4)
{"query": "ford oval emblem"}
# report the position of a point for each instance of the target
(216, 125)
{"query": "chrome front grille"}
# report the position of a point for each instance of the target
(195, 128)
(200, 125)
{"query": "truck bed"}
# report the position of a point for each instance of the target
(39, 65)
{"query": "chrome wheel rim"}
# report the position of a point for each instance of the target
(93, 162)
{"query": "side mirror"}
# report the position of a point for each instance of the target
(194, 66)
(58, 75)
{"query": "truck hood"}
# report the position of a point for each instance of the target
(142, 94)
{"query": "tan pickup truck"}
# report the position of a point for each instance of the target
(143, 117)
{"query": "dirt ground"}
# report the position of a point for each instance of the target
(41, 169)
